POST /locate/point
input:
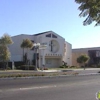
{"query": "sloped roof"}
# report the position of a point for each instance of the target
(47, 32)
(42, 33)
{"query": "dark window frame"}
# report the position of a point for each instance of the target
(48, 35)
(54, 36)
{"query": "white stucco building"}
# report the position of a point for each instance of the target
(57, 50)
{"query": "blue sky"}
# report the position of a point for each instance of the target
(35, 16)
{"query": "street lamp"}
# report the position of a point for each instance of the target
(36, 47)
(43, 46)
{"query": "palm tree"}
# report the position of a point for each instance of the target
(91, 9)
(28, 45)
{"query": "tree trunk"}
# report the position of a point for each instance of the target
(23, 55)
(84, 65)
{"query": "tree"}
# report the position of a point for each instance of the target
(5, 40)
(83, 59)
(4, 53)
(28, 45)
(91, 10)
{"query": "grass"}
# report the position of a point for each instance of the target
(63, 68)
(36, 74)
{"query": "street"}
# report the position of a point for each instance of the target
(53, 88)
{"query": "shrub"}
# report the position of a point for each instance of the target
(27, 67)
(18, 63)
(98, 66)
(73, 66)
(63, 66)
(45, 68)
(8, 68)
(66, 66)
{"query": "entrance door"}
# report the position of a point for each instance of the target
(53, 62)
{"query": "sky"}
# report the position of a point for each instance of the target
(35, 16)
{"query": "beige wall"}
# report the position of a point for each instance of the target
(68, 54)
(75, 55)
(77, 52)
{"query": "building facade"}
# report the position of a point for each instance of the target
(93, 53)
(57, 49)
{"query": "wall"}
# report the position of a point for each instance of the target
(68, 54)
(77, 52)
(16, 50)
(43, 39)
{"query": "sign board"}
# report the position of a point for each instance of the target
(42, 46)
(43, 43)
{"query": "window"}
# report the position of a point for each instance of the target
(49, 35)
(53, 36)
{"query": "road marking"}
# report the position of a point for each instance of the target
(42, 87)
(65, 85)
(28, 88)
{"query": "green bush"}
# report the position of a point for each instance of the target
(8, 68)
(98, 66)
(27, 67)
(73, 66)
(66, 66)
(63, 66)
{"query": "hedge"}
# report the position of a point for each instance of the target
(26, 67)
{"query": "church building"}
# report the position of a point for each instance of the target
(57, 49)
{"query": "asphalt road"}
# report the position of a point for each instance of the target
(54, 88)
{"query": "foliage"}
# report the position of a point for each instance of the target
(4, 53)
(82, 59)
(98, 66)
(73, 66)
(5, 40)
(91, 10)
(45, 68)
(18, 63)
(63, 66)
(27, 67)
(8, 68)
(26, 44)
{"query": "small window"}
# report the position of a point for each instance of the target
(49, 35)
(53, 36)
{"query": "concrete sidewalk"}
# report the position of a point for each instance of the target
(81, 71)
